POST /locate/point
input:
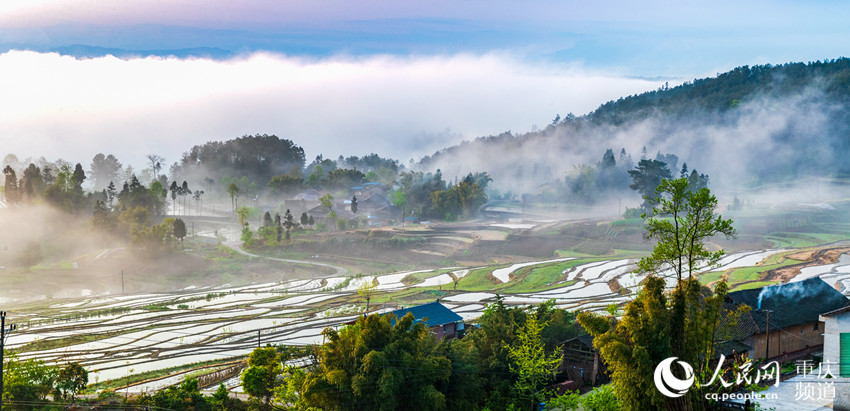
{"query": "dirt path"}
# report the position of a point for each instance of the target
(340, 271)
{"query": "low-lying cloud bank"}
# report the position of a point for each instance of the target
(60, 107)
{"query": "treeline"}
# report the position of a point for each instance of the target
(728, 90)
(382, 362)
(587, 184)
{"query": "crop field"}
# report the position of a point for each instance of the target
(148, 340)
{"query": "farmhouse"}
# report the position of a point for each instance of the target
(784, 323)
(443, 322)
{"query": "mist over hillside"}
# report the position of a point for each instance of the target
(747, 127)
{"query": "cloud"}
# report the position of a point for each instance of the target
(58, 106)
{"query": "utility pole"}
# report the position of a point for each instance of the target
(122, 282)
(258, 338)
(3, 335)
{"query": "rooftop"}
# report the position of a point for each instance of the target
(432, 314)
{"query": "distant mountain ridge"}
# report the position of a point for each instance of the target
(749, 125)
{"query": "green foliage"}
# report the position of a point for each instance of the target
(327, 201)
(632, 213)
(71, 379)
(179, 229)
(27, 381)
(689, 221)
(344, 178)
(567, 401)
(378, 366)
(601, 399)
(635, 346)
(285, 184)
(499, 329)
(260, 378)
(185, 396)
(462, 199)
(647, 176)
(530, 361)
(247, 236)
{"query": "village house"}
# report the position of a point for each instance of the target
(443, 322)
(784, 323)
(582, 363)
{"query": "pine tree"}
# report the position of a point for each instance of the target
(288, 223)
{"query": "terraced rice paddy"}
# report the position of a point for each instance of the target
(114, 336)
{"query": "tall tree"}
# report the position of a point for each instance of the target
(103, 170)
(535, 368)
(288, 223)
(10, 189)
(646, 177)
(156, 164)
(233, 190)
(79, 177)
(686, 220)
(354, 204)
(684, 323)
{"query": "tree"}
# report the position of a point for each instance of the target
(367, 290)
(174, 189)
(354, 204)
(400, 201)
(111, 194)
(379, 363)
(156, 164)
(185, 396)
(78, 178)
(233, 190)
(646, 177)
(197, 196)
(684, 323)
(278, 227)
(243, 214)
(288, 223)
(311, 221)
(27, 381)
(102, 219)
(260, 378)
(71, 379)
(529, 360)
(103, 170)
(284, 184)
(184, 192)
(179, 230)
(304, 219)
(11, 186)
(687, 221)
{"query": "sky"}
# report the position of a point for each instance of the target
(400, 78)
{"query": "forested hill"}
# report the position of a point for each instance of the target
(750, 125)
(730, 89)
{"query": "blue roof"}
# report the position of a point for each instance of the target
(432, 314)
